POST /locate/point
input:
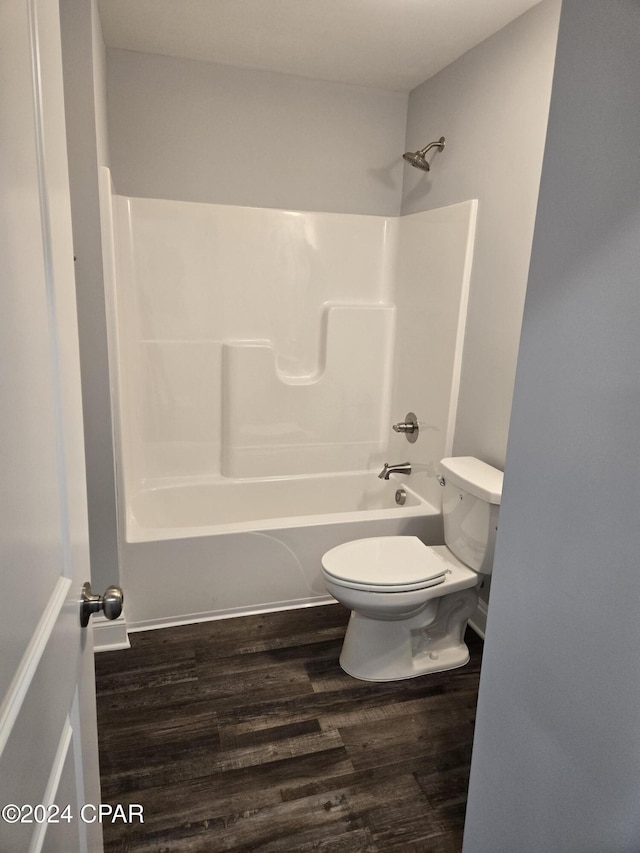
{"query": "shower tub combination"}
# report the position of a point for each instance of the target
(258, 360)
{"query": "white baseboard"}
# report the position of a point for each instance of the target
(479, 619)
(109, 635)
(214, 615)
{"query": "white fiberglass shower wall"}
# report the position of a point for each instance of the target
(259, 359)
(258, 342)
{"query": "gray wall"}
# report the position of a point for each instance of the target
(85, 106)
(557, 753)
(492, 106)
(196, 131)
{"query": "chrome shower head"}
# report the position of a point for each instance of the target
(417, 158)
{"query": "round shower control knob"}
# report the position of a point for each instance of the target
(110, 603)
(410, 427)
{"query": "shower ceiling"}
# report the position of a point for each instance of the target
(384, 44)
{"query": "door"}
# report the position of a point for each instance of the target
(48, 747)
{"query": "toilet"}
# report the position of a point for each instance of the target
(410, 602)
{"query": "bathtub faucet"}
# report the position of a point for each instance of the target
(403, 468)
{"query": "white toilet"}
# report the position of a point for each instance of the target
(410, 602)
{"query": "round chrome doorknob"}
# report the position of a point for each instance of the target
(110, 603)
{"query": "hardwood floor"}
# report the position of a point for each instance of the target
(245, 735)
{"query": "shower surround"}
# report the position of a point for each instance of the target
(259, 358)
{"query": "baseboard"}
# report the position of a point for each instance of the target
(479, 619)
(109, 634)
(212, 616)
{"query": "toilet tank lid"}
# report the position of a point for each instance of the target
(476, 477)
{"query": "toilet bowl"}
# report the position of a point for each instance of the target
(410, 602)
(386, 638)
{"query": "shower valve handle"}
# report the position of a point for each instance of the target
(404, 427)
(409, 427)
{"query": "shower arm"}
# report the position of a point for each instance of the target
(439, 145)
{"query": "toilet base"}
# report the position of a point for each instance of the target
(384, 650)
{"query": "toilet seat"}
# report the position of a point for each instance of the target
(388, 564)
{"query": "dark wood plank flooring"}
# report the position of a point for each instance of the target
(245, 735)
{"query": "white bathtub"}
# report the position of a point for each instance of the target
(212, 550)
(233, 506)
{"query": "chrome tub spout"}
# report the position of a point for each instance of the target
(403, 468)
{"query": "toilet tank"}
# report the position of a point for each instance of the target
(470, 504)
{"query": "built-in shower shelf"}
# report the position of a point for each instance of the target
(331, 420)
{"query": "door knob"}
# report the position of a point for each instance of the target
(110, 603)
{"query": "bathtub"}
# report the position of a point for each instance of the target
(234, 506)
(209, 550)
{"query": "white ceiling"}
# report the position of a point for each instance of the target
(386, 44)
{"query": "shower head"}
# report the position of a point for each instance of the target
(417, 158)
